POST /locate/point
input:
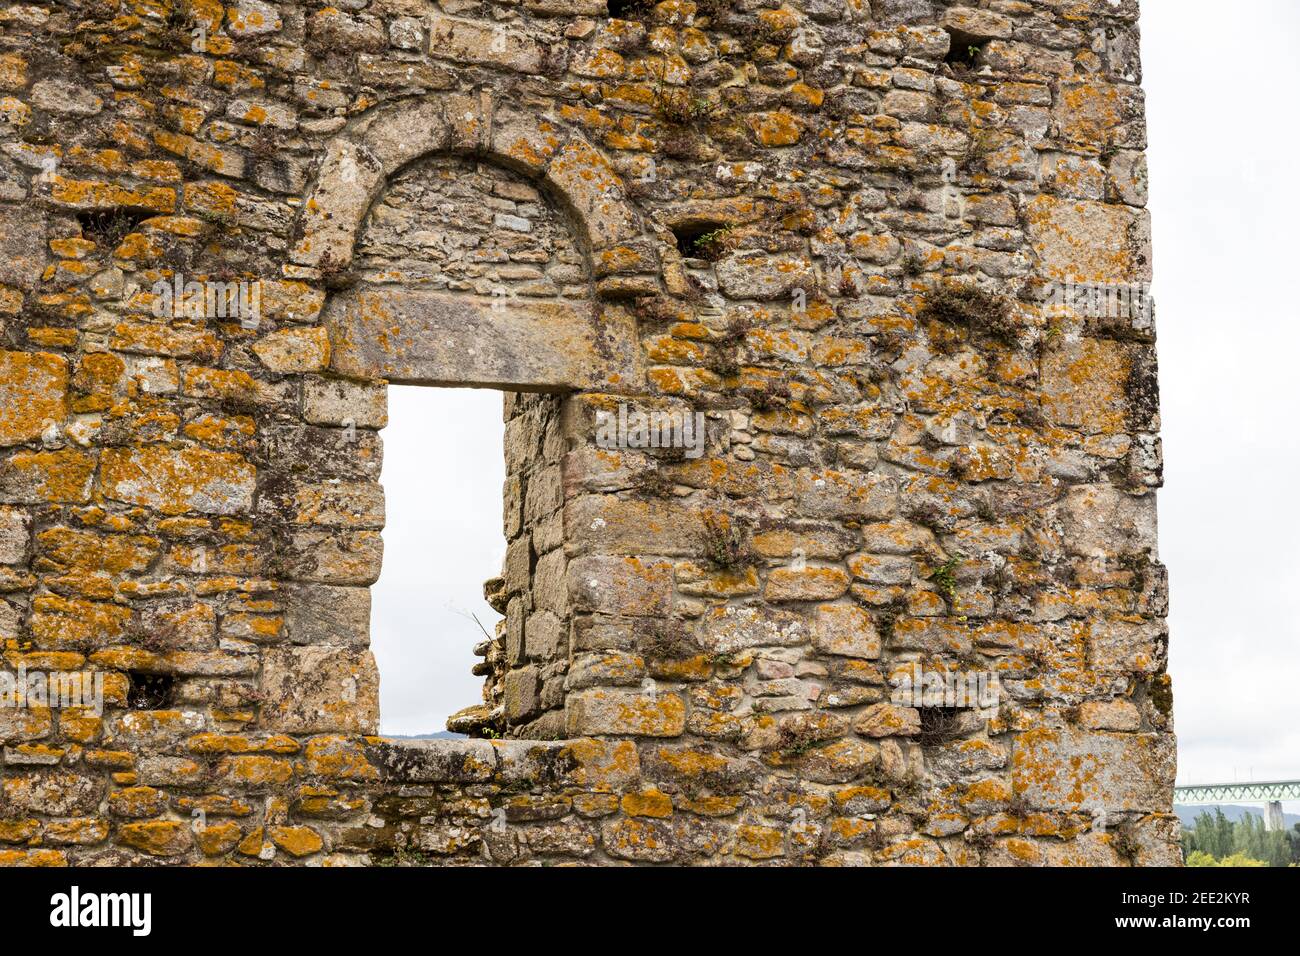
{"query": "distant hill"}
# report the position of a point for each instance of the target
(1233, 812)
(440, 735)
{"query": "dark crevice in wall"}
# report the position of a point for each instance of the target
(150, 691)
(108, 227)
(965, 49)
(627, 9)
(696, 240)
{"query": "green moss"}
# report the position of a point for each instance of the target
(1124, 840)
(726, 362)
(885, 621)
(1161, 693)
(655, 484)
(971, 308)
(726, 542)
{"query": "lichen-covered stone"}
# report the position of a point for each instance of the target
(610, 711)
(33, 395)
(179, 480)
(1072, 769)
(339, 694)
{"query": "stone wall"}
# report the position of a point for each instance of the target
(833, 229)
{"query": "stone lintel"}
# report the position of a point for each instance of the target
(433, 338)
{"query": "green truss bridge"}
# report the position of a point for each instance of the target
(1269, 792)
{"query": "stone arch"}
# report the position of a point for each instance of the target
(520, 347)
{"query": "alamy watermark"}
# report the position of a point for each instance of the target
(74, 909)
(178, 299)
(1129, 301)
(917, 686)
(634, 428)
(58, 689)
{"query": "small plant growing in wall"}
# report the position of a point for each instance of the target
(656, 483)
(334, 273)
(714, 244)
(656, 309)
(1160, 692)
(264, 145)
(149, 691)
(708, 241)
(1018, 806)
(109, 227)
(727, 361)
(1137, 565)
(963, 51)
(714, 10)
(175, 32)
(886, 620)
(799, 749)
(403, 856)
(944, 579)
(680, 105)
(768, 396)
(216, 218)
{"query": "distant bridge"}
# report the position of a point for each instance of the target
(1270, 792)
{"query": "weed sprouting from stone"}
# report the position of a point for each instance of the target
(944, 580)
(939, 725)
(714, 244)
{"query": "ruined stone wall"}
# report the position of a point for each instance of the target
(833, 229)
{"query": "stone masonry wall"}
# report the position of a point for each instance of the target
(831, 228)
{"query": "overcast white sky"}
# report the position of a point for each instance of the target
(1224, 203)
(443, 473)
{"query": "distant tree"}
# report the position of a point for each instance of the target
(1214, 840)
(1253, 840)
(1224, 834)
(1249, 837)
(1212, 833)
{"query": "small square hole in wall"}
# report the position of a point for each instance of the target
(965, 50)
(443, 476)
(628, 9)
(150, 691)
(939, 725)
(108, 227)
(703, 240)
